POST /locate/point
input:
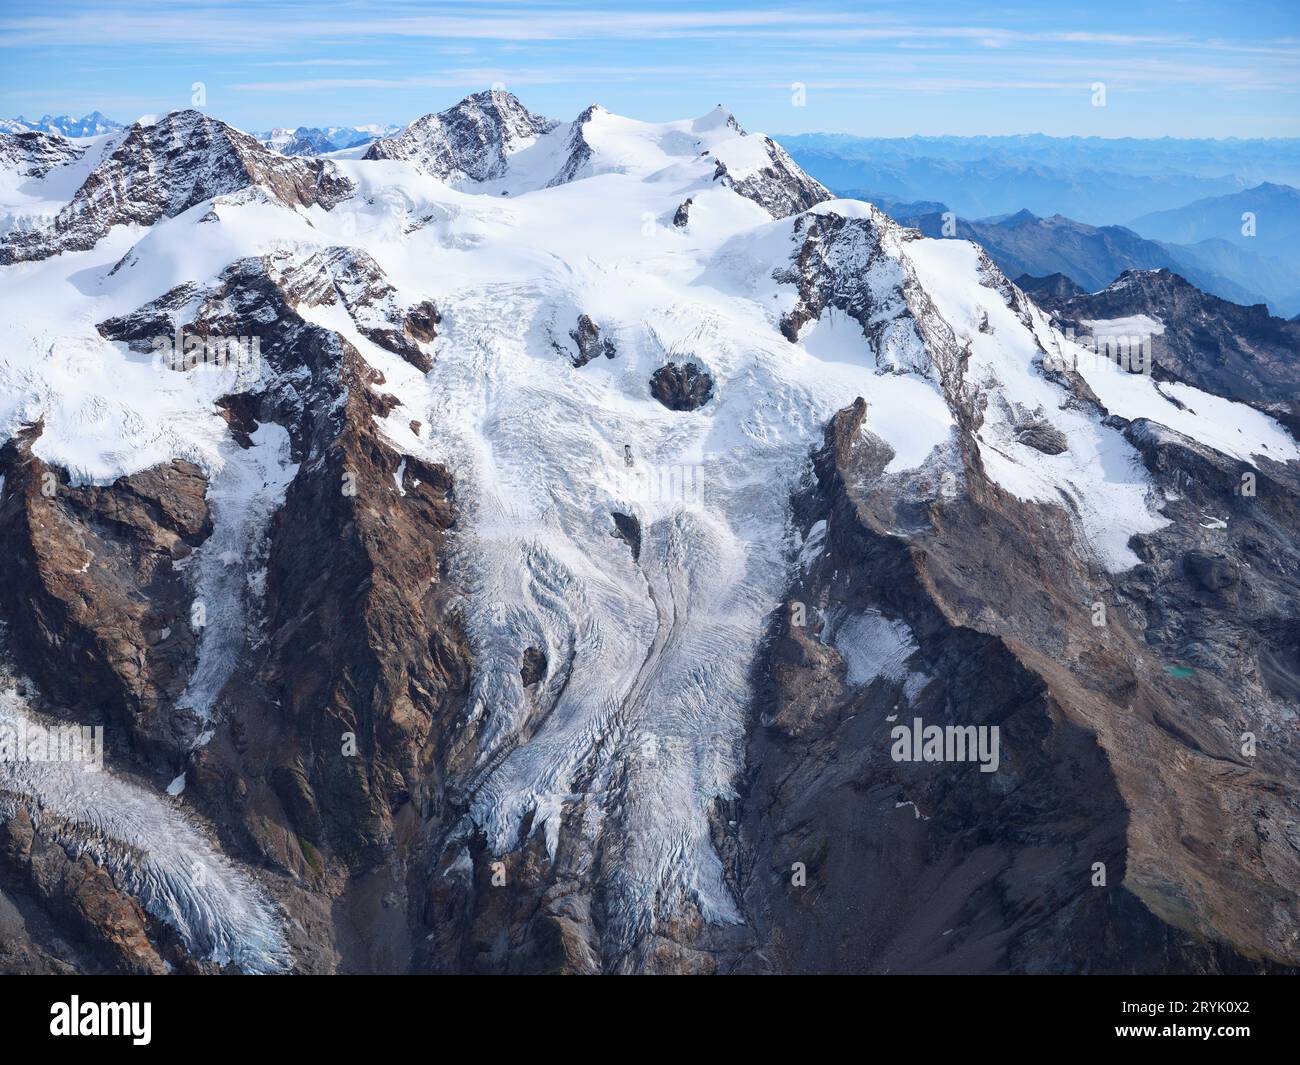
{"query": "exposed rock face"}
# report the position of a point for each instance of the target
(590, 343)
(1243, 649)
(157, 171)
(1213, 571)
(99, 610)
(254, 294)
(780, 188)
(1242, 352)
(349, 559)
(376, 619)
(852, 265)
(33, 155)
(371, 301)
(681, 387)
(470, 141)
(578, 152)
(1090, 725)
(827, 794)
(113, 926)
(353, 594)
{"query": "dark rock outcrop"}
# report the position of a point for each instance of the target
(1214, 571)
(683, 386)
(33, 155)
(533, 670)
(1043, 436)
(590, 344)
(100, 612)
(628, 529)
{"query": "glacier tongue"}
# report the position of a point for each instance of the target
(152, 851)
(643, 710)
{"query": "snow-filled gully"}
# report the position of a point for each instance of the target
(243, 495)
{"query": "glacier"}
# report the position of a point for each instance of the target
(151, 848)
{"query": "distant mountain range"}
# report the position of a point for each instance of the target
(1093, 256)
(91, 125)
(1040, 205)
(1097, 180)
(1266, 217)
(1252, 236)
(303, 140)
(317, 140)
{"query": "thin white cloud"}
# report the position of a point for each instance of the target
(268, 26)
(325, 63)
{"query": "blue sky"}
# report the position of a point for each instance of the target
(1179, 69)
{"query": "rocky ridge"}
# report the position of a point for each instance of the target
(159, 170)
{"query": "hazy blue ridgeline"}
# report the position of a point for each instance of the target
(1091, 179)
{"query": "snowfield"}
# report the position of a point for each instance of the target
(643, 710)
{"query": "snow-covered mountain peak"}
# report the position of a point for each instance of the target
(491, 144)
(718, 118)
(158, 169)
(471, 141)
